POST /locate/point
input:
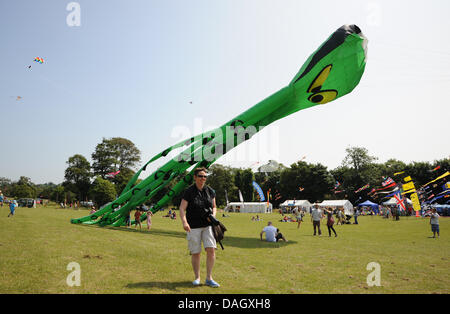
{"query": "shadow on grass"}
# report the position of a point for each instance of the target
(231, 241)
(173, 286)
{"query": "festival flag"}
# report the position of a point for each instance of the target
(259, 190)
(409, 191)
(277, 195)
(362, 188)
(436, 168)
(416, 202)
(408, 186)
(241, 198)
(226, 197)
(387, 186)
(387, 181)
(438, 178)
(400, 201)
(336, 185)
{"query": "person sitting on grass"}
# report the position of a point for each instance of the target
(279, 236)
(270, 231)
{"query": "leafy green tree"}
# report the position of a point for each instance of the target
(45, 190)
(114, 154)
(243, 179)
(102, 191)
(5, 185)
(78, 176)
(419, 172)
(23, 188)
(358, 169)
(393, 166)
(314, 178)
(121, 180)
(358, 158)
(220, 178)
(58, 194)
(23, 191)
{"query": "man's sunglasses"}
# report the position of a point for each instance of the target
(201, 176)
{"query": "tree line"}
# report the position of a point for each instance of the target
(300, 180)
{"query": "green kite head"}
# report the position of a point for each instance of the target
(333, 70)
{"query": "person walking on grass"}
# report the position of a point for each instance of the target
(299, 217)
(149, 219)
(198, 201)
(12, 207)
(316, 217)
(434, 222)
(330, 221)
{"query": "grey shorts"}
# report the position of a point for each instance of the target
(198, 235)
(434, 228)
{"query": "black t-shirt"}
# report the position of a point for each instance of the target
(198, 201)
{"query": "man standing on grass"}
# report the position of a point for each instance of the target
(198, 200)
(434, 222)
(316, 217)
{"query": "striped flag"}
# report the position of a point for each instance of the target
(387, 181)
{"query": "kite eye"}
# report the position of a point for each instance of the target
(317, 83)
(322, 97)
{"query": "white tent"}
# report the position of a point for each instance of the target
(304, 205)
(249, 207)
(348, 207)
(393, 201)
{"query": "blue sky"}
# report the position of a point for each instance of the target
(132, 68)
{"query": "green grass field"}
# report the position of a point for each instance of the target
(37, 244)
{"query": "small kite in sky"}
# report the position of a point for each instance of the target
(18, 98)
(38, 60)
(112, 174)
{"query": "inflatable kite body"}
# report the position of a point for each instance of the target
(332, 71)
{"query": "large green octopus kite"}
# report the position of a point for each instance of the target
(332, 71)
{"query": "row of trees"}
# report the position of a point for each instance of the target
(83, 181)
(301, 180)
